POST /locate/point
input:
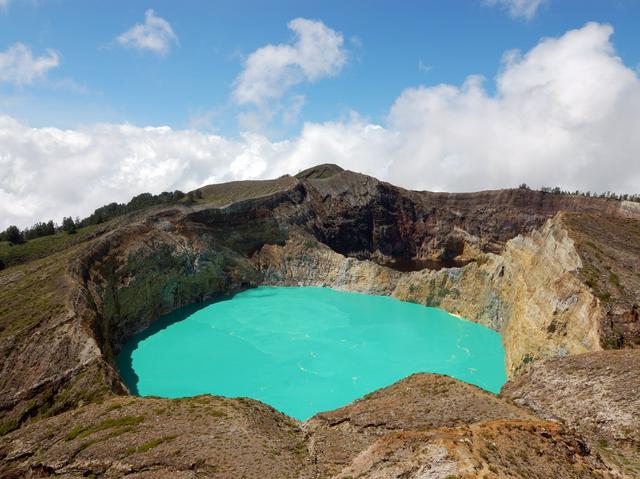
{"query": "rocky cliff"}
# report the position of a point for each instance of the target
(531, 293)
(556, 275)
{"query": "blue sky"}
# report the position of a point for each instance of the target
(446, 95)
(98, 80)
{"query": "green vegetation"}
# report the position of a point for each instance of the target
(43, 239)
(137, 203)
(301, 448)
(42, 247)
(68, 225)
(32, 293)
(310, 244)
(614, 280)
(40, 229)
(12, 235)
(82, 431)
(147, 446)
(111, 435)
(607, 195)
(8, 426)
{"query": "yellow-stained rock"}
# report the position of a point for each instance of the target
(531, 293)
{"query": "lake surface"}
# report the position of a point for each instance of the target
(305, 350)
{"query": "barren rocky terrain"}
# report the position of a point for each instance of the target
(556, 275)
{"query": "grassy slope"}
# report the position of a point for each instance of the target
(31, 292)
(33, 285)
(212, 195)
(227, 193)
(42, 247)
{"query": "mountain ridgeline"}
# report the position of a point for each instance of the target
(557, 275)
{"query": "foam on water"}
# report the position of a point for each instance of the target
(306, 350)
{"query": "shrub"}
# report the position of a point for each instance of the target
(13, 235)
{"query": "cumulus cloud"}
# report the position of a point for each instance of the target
(564, 113)
(49, 172)
(316, 52)
(155, 35)
(19, 66)
(526, 9)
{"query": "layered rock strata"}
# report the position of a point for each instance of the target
(556, 275)
(531, 293)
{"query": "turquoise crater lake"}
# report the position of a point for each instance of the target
(305, 350)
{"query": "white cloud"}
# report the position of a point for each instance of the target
(316, 52)
(526, 9)
(4, 4)
(291, 114)
(564, 113)
(423, 67)
(155, 35)
(19, 66)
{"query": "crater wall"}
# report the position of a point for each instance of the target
(327, 229)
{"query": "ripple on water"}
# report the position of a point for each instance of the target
(305, 350)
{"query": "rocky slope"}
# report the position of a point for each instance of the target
(203, 436)
(556, 275)
(597, 393)
(522, 449)
(423, 426)
(609, 248)
(418, 403)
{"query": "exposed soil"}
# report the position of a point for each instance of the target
(66, 311)
(610, 250)
(597, 393)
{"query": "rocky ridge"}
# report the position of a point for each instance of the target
(423, 426)
(533, 274)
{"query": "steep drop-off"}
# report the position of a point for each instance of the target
(530, 293)
(549, 272)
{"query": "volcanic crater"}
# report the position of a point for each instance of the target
(558, 276)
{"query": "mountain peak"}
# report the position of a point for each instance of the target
(325, 170)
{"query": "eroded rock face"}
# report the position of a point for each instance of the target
(609, 248)
(417, 403)
(598, 393)
(357, 215)
(519, 449)
(530, 293)
(530, 277)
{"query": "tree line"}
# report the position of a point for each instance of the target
(15, 236)
(608, 195)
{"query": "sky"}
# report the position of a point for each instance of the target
(100, 101)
